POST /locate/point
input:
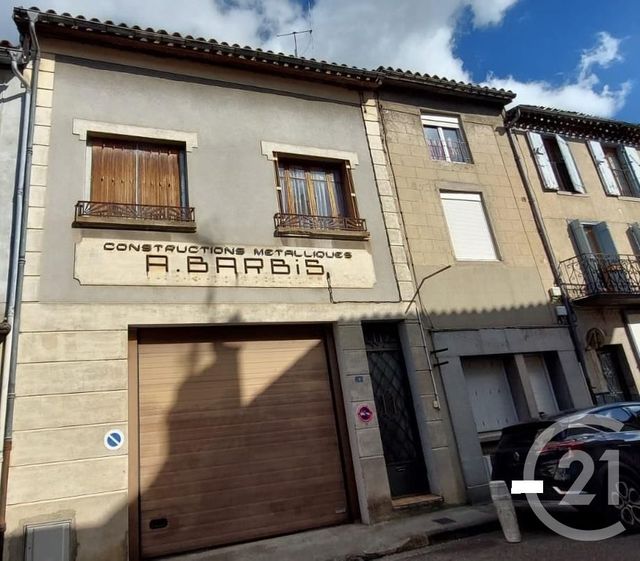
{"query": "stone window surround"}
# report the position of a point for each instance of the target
(272, 149)
(82, 128)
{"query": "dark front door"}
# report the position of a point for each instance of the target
(396, 416)
(613, 373)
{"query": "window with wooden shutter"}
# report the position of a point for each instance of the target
(136, 184)
(468, 227)
(316, 198)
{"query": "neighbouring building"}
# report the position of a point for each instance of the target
(11, 107)
(218, 340)
(488, 295)
(584, 177)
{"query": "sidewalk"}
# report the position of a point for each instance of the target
(358, 542)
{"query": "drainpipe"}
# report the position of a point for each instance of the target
(17, 263)
(546, 243)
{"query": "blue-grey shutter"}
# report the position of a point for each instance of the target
(587, 259)
(580, 238)
(606, 175)
(542, 160)
(576, 180)
(605, 240)
(631, 162)
(635, 235)
(612, 269)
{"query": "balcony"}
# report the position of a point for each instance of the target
(90, 214)
(597, 279)
(344, 227)
(456, 151)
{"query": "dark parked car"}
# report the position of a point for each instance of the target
(595, 440)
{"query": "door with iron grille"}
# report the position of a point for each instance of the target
(614, 377)
(396, 416)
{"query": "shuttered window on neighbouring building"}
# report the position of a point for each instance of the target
(618, 167)
(468, 226)
(131, 172)
(315, 189)
(555, 162)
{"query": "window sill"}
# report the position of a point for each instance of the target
(452, 162)
(627, 198)
(292, 232)
(113, 222)
(569, 193)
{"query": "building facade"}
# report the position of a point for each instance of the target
(486, 284)
(218, 339)
(584, 177)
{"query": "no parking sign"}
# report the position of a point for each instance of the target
(114, 439)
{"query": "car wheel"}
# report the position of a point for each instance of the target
(625, 504)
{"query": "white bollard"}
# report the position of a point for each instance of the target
(506, 512)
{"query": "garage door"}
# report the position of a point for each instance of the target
(238, 437)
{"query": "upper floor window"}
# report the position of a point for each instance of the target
(316, 198)
(555, 163)
(445, 139)
(136, 184)
(469, 228)
(619, 168)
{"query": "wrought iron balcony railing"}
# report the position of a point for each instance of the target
(309, 224)
(102, 214)
(592, 275)
(458, 151)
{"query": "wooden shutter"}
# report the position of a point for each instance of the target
(468, 227)
(606, 175)
(542, 160)
(631, 162)
(576, 180)
(159, 175)
(113, 171)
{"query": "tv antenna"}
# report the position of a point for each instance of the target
(295, 40)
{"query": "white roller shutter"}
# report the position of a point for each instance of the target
(440, 121)
(468, 226)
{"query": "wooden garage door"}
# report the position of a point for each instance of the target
(238, 437)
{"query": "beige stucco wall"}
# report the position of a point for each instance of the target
(558, 209)
(508, 292)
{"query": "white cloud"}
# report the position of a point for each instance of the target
(417, 35)
(604, 53)
(584, 94)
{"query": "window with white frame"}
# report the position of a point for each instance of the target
(468, 225)
(558, 170)
(445, 139)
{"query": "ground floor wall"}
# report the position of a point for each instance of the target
(492, 379)
(610, 339)
(72, 388)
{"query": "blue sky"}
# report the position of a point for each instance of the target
(543, 40)
(579, 55)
